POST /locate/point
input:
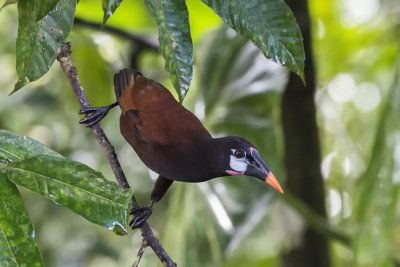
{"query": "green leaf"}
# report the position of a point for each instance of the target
(109, 7)
(15, 147)
(77, 187)
(39, 42)
(271, 26)
(8, 2)
(175, 41)
(17, 243)
(44, 7)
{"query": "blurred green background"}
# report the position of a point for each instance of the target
(236, 221)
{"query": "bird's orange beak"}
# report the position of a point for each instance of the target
(259, 169)
(271, 180)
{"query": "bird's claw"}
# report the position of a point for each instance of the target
(93, 115)
(91, 119)
(141, 214)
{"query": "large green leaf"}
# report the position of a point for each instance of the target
(109, 7)
(39, 42)
(44, 7)
(175, 41)
(17, 243)
(15, 147)
(77, 187)
(270, 24)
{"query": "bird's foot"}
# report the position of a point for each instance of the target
(95, 114)
(141, 214)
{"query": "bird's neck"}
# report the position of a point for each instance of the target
(202, 160)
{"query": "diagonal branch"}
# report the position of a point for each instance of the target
(140, 253)
(72, 74)
(140, 40)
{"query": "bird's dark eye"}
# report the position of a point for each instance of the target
(239, 154)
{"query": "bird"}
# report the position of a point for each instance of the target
(172, 141)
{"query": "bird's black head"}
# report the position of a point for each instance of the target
(242, 157)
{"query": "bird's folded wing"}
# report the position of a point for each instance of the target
(156, 116)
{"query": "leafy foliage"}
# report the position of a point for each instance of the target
(39, 42)
(109, 7)
(44, 26)
(270, 25)
(44, 7)
(175, 41)
(71, 184)
(15, 147)
(17, 239)
(76, 186)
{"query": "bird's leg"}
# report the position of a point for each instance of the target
(95, 114)
(141, 214)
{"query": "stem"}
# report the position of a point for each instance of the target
(72, 75)
(139, 40)
(140, 253)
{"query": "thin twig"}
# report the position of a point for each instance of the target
(140, 253)
(140, 40)
(72, 74)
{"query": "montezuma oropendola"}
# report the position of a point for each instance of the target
(172, 142)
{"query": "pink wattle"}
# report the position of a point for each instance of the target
(231, 172)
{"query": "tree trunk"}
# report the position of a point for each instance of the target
(302, 150)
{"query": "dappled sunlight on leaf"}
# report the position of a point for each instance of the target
(77, 187)
(39, 42)
(175, 41)
(17, 239)
(276, 34)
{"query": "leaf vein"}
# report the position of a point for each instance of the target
(10, 153)
(68, 185)
(8, 245)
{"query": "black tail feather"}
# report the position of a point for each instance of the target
(121, 80)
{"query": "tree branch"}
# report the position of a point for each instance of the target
(141, 41)
(72, 74)
(140, 253)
